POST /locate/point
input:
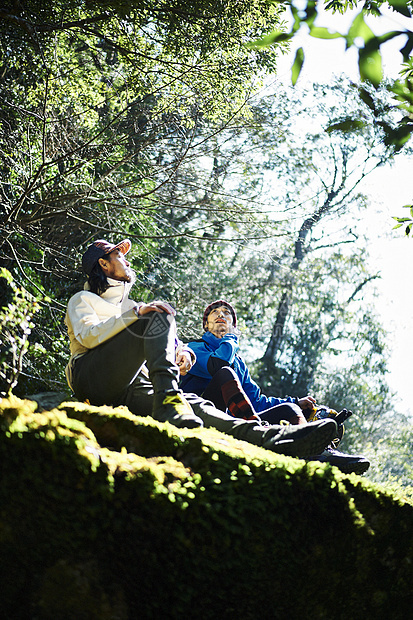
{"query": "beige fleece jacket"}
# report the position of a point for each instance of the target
(92, 319)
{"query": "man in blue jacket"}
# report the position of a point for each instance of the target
(221, 376)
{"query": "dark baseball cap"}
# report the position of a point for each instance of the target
(98, 249)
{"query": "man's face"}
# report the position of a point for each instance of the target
(219, 321)
(115, 266)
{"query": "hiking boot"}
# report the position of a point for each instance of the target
(300, 440)
(347, 463)
(174, 408)
(323, 412)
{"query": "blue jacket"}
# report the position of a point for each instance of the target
(225, 348)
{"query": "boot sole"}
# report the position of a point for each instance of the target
(181, 421)
(349, 467)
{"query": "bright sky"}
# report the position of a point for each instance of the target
(389, 188)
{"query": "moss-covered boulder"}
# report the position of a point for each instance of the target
(106, 515)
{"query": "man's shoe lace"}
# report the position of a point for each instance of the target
(178, 403)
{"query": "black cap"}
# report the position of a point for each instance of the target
(99, 249)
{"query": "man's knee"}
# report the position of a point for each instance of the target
(225, 374)
(153, 325)
(286, 411)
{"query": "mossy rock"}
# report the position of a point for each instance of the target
(107, 515)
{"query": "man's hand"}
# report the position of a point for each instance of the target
(308, 402)
(184, 362)
(156, 306)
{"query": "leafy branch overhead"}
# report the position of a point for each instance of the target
(361, 36)
(408, 221)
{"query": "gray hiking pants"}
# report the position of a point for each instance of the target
(105, 374)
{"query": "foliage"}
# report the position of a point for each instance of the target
(390, 453)
(300, 177)
(303, 241)
(17, 309)
(99, 103)
(212, 243)
(408, 221)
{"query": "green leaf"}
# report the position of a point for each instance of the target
(324, 33)
(347, 125)
(401, 7)
(5, 273)
(367, 98)
(297, 65)
(274, 37)
(358, 29)
(370, 65)
(403, 92)
(399, 136)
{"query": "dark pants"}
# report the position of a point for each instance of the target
(105, 375)
(139, 399)
(285, 411)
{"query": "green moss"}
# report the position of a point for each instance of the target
(155, 521)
